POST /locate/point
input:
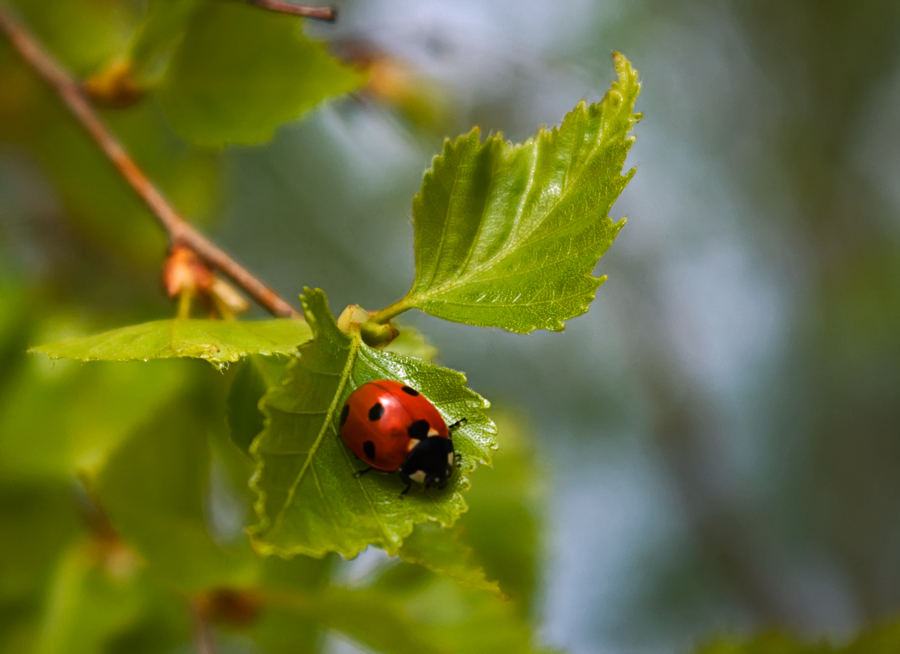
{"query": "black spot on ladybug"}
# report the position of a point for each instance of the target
(376, 411)
(419, 430)
(369, 447)
(344, 413)
(410, 391)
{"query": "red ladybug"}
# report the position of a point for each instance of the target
(392, 427)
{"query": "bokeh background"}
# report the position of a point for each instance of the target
(720, 435)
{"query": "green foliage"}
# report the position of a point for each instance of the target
(153, 489)
(162, 28)
(444, 552)
(216, 341)
(310, 502)
(36, 521)
(503, 526)
(86, 605)
(881, 640)
(239, 72)
(108, 559)
(161, 489)
(507, 235)
(84, 33)
(451, 618)
(72, 417)
(411, 343)
(254, 377)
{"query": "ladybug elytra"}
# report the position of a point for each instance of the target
(393, 427)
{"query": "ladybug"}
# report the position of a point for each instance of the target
(393, 427)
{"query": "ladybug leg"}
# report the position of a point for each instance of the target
(360, 473)
(456, 425)
(406, 490)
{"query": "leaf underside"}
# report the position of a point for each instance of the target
(507, 235)
(217, 341)
(309, 501)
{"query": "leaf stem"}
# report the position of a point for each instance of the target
(388, 313)
(328, 14)
(176, 228)
(184, 304)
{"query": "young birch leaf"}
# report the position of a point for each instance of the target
(240, 72)
(216, 341)
(309, 501)
(507, 235)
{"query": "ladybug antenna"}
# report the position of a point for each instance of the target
(456, 425)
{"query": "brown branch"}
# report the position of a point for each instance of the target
(178, 231)
(322, 13)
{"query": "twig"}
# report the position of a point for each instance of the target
(178, 231)
(322, 13)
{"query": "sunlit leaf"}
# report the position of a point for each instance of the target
(310, 501)
(217, 341)
(240, 72)
(507, 235)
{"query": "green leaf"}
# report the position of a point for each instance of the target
(507, 235)
(56, 418)
(444, 551)
(240, 72)
(216, 341)
(154, 488)
(411, 343)
(449, 617)
(36, 521)
(497, 538)
(309, 501)
(87, 606)
(377, 620)
(254, 377)
(504, 524)
(162, 28)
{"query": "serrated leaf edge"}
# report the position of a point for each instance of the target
(391, 546)
(626, 74)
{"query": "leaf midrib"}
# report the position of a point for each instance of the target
(329, 414)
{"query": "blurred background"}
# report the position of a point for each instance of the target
(720, 434)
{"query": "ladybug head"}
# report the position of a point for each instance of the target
(430, 462)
